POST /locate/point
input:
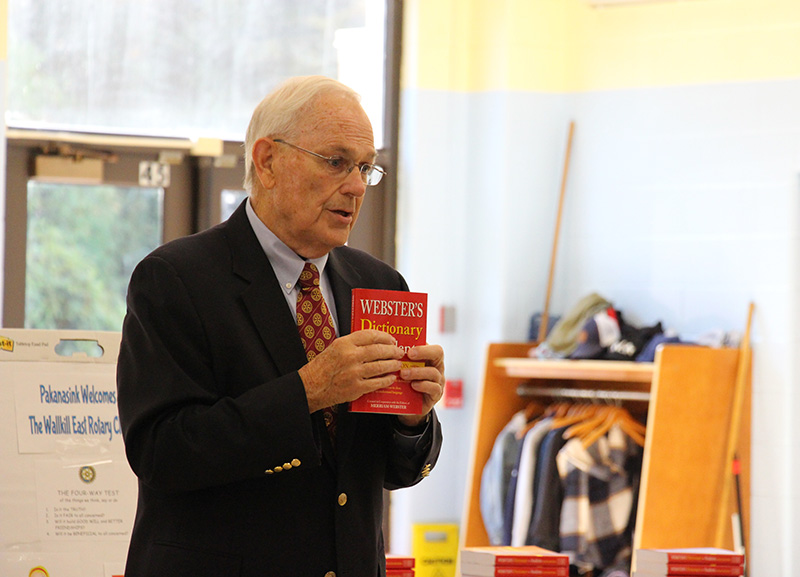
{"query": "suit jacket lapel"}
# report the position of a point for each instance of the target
(262, 297)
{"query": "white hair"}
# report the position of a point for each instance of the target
(281, 110)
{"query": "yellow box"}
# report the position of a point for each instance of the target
(435, 549)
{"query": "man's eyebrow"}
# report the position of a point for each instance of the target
(350, 153)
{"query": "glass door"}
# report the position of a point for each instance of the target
(79, 218)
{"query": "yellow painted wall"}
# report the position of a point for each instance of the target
(567, 45)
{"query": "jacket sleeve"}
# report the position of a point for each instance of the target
(414, 457)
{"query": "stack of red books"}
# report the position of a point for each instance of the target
(399, 566)
(689, 562)
(528, 561)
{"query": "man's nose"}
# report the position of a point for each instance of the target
(355, 184)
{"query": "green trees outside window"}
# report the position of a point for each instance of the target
(83, 242)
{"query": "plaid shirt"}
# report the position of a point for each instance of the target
(598, 499)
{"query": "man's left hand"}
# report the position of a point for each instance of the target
(428, 380)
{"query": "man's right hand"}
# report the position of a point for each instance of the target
(355, 364)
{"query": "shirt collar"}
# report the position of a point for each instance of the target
(285, 262)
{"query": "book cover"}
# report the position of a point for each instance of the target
(477, 570)
(404, 316)
(529, 555)
(689, 555)
(399, 562)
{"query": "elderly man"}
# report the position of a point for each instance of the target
(249, 462)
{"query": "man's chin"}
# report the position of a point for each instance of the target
(331, 242)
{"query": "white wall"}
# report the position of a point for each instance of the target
(466, 203)
(681, 206)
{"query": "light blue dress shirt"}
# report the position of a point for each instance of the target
(288, 266)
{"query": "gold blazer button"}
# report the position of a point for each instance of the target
(342, 499)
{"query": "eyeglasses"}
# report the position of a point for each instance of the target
(370, 173)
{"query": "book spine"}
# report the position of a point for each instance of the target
(469, 570)
(507, 561)
(681, 558)
(528, 571)
(400, 563)
(698, 569)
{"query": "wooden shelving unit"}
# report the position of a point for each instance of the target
(685, 395)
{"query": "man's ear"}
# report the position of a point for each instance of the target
(263, 156)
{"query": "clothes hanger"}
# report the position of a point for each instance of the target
(592, 436)
(615, 415)
(576, 413)
(632, 427)
(532, 410)
(597, 418)
(535, 418)
(633, 433)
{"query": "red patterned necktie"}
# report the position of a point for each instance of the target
(315, 324)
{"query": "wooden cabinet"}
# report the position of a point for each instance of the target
(686, 396)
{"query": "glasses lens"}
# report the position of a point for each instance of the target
(372, 175)
(339, 165)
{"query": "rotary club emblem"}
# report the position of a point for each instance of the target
(87, 474)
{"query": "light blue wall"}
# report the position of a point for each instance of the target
(681, 207)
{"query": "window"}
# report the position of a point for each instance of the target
(182, 68)
(229, 200)
(83, 242)
(145, 81)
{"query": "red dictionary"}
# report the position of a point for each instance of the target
(696, 571)
(404, 316)
(399, 572)
(529, 555)
(476, 570)
(689, 556)
(688, 570)
(399, 562)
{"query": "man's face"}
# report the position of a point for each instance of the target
(306, 203)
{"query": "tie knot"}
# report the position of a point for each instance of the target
(309, 278)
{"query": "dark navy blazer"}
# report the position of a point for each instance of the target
(236, 478)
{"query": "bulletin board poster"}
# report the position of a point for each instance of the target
(67, 493)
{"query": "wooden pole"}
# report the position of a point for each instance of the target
(742, 370)
(545, 313)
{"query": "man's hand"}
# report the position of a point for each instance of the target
(428, 380)
(351, 366)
